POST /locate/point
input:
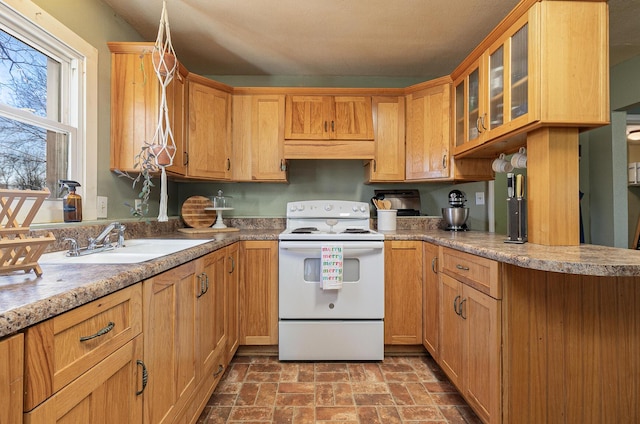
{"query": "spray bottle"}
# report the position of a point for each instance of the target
(72, 202)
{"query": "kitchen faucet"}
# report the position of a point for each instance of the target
(103, 237)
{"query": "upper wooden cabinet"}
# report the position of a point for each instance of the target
(135, 102)
(428, 132)
(388, 131)
(328, 117)
(548, 67)
(209, 131)
(258, 138)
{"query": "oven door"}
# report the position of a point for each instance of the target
(362, 292)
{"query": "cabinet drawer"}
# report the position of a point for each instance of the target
(59, 350)
(479, 273)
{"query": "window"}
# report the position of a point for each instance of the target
(47, 101)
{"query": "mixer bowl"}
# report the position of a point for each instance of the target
(455, 217)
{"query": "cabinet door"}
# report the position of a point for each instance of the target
(11, 378)
(352, 118)
(403, 292)
(307, 117)
(430, 300)
(232, 278)
(267, 147)
(106, 394)
(428, 133)
(134, 103)
(177, 104)
(170, 345)
(469, 107)
(211, 313)
(389, 162)
(452, 328)
(482, 353)
(259, 293)
(209, 132)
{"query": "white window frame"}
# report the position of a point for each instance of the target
(32, 21)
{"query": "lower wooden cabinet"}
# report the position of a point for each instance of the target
(430, 300)
(11, 379)
(471, 328)
(259, 292)
(108, 393)
(232, 282)
(403, 292)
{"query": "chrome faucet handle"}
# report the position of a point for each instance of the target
(73, 246)
(121, 228)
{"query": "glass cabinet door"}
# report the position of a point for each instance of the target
(519, 73)
(460, 118)
(473, 104)
(496, 89)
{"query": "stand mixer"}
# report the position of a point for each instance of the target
(456, 216)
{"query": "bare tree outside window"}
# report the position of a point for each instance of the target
(32, 155)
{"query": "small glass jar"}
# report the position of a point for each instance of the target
(221, 201)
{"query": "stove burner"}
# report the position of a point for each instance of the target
(356, 231)
(304, 230)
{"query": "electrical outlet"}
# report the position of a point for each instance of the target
(480, 198)
(101, 206)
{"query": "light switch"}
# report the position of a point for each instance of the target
(101, 206)
(480, 198)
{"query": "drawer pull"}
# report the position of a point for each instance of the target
(100, 332)
(462, 267)
(220, 369)
(145, 377)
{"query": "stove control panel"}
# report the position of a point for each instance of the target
(327, 209)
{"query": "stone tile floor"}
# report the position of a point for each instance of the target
(400, 389)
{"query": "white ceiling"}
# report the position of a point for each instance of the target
(384, 38)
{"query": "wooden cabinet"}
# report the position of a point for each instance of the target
(232, 282)
(170, 341)
(311, 117)
(539, 70)
(135, 102)
(209, 132)
(428, 132)
(403, 292)
(11, 376)
(430, 300)
(259, 293)
(86, 365)
(388, 133)
(470, 317)
(258, 138)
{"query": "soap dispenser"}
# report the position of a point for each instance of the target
(72, 202)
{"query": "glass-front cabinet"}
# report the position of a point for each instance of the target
(492, 98)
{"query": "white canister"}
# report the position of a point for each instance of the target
(387, 219)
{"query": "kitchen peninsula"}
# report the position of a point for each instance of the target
(567, 317)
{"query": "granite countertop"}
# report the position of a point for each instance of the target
(26, 299)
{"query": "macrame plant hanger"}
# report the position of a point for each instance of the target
(164, 146)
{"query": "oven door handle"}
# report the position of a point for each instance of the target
(313, 245)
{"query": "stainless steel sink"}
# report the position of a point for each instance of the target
(134, 251)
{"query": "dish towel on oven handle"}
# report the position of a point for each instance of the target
(332, 266)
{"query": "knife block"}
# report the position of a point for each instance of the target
(516, 220)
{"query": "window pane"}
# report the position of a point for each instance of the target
(32, 157)
(29, 80)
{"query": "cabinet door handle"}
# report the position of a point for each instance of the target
(233, 265)
(219, 370)
(455, 304)
(100, 332)
(201, 278)
(434, 264)
(206, 283)
(478, 124)
(461, 309)
(444, 161)
(482, 122)
(375, 165)
(326, 126)
(333, 126)
(145, 376)
(186, 158)
(228, 164)
(462, 267)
